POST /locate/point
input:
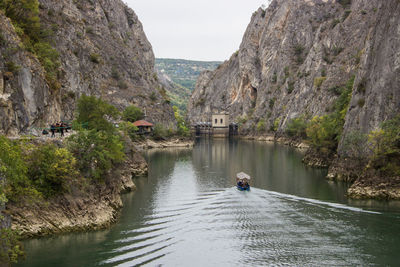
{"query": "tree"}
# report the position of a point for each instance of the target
(132, 114)
(182, 128)
(96, 113)
(51, 169)
(24, 14)
(96, 151)
(13, 169)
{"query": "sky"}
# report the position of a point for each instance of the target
(208, 30)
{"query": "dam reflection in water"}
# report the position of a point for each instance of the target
(188, 213)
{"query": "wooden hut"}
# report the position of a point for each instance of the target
(145, 127)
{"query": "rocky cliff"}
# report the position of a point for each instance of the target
(103, 51)
(294, 57)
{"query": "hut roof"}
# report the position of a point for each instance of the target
(242, 175)
(142, 123)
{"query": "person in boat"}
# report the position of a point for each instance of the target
(242, 180)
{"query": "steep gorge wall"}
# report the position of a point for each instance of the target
(103, 52)
(294, 56)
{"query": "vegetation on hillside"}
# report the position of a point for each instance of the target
(385, 145)
(184, 74)
(97, 146)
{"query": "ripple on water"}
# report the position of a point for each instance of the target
(260, 226)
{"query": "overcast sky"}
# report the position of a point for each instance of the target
(195, 29)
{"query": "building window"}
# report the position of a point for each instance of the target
(222, 121)
(216, 121)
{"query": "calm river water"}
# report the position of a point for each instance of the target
(187, 212)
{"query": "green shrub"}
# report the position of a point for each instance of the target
(345, 3)
(51, 169)
(89, 30)
(274, 78)
(361, 102)
(95, 58)
(242, 119)
(261, 126)
(271, 103)
(14, 169)
(115, 74)
(354, 145)
(201, 102)
(122, 85)
(276, 124)
(95, 113)
(183, 129)
(385, 146)
(132, 114)
(96, 152)
(153, 96)
(322, 134)
(290, 87)
(159, 132)
(297, 127)
(12, 67)
(10, 247)
(325, 131)
(129, 129)
(318, 81)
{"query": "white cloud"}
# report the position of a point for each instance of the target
(188, 29)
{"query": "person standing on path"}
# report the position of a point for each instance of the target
(62, 129)
(53, 130)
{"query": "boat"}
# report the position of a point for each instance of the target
(242, 181)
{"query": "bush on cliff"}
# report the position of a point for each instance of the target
(160, 132)
(10, 247)
(97, 147)
(51, 169)
(95, 113)
(385, 146)
(96, 152)
(297, 127)
(324, 132)
(13, 170)
(129, 129)
(24, 15)
(132, 114)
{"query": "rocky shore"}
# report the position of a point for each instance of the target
(174, 142)
(364, 184)
(280, 140)
(85, 207)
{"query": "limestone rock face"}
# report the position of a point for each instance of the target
(103, 52)
(25, 97)
(293, 57)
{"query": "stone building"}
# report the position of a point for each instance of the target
(220, 125)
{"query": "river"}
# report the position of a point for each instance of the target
(187, 212)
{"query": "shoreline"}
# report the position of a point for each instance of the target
(169, 143)
(362, 185)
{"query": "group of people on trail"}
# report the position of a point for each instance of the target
(58, 127)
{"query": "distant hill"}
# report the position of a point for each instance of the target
(179, 77)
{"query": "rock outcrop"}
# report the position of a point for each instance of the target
(296, 54)
(90, 207)
(103, 51)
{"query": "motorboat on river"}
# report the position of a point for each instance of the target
(242, 181)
